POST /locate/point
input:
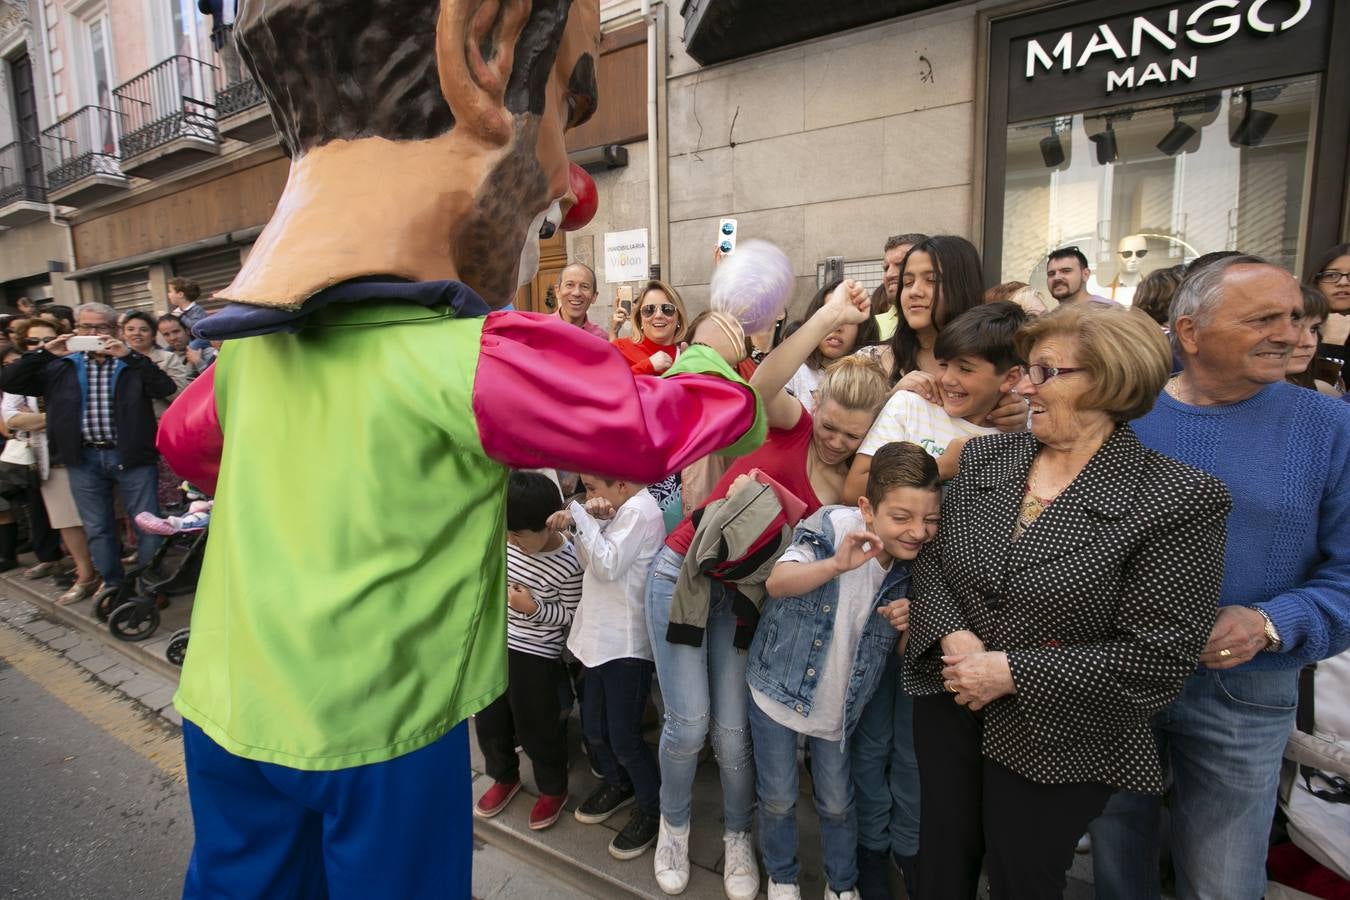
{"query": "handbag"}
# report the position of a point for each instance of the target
(17, 452)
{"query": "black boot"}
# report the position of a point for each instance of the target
(908, 866)
(9, 540)
(872, 884)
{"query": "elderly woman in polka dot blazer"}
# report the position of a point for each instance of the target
(1072, 585)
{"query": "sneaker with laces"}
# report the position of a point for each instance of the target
(636, 836)
(849, 894)
(603, 802)
(784, 891)
(740, 875)
(494, 800)
(671, 864)
(546, 810)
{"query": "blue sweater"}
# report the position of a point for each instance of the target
(1285, 456)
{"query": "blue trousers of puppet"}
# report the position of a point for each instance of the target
(397, 829)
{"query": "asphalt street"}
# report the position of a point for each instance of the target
(84, 814)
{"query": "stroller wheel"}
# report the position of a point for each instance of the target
(177, 649)
(106, 602)
(134, 620)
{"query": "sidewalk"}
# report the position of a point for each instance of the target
(573, 854)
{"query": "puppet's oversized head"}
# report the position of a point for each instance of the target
(425, 136)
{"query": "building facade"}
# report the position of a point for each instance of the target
(134, 147)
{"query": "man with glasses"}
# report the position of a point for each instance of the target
(1067, 274)
(1284, 454)
(100, 425)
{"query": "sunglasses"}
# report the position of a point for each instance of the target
(36, 342)
(1139, 253)
(1042, 374)
(667, 309)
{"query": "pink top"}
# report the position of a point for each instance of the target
(587, 411)
(782, 458)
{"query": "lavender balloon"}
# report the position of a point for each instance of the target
(753, 285)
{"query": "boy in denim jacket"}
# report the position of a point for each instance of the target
(817, 656)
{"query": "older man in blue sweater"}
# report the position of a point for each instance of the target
(1284, 453)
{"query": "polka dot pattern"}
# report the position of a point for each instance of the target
(1103, 605)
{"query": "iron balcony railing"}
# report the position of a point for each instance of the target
(233, 97)
(174, 99)
(21, 173)
(83, 143)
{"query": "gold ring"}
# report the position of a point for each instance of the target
(1225, 653)
(951, 687)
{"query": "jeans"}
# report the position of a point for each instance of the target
(699, 685)
(888, 809)
(611, 720)
(1222, 739)
(776, 783)
(91, 483)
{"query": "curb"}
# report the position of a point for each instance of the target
(92, 628)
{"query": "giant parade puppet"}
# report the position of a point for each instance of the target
(357, 428)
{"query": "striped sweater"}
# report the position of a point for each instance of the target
(554, 581)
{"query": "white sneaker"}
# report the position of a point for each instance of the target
(784, 891)
(671, 863)
(740, 875)
(846, 895)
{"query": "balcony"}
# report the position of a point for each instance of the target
(241, 109)
(80, 156)
(23, 197)
(170, 117)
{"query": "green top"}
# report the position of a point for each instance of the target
(329, 628)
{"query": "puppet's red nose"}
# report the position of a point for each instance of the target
(588, 200)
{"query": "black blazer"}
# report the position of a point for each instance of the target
(1103, 605)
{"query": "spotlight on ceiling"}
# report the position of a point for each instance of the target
(1175, 140)
(1251, 131)
(1107, 152)
(1052, 151)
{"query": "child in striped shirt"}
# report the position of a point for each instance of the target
(543, 590)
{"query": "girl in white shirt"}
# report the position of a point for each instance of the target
(843, 341)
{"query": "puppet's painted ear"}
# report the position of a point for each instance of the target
(475, 51)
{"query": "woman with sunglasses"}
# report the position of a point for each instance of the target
(1071, 589)
(658, 327)
(1330, 274)
(57, 508)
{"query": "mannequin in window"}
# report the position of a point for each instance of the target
(1131, 251)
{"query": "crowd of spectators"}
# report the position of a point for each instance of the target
(1009, 565)
(1107, 596)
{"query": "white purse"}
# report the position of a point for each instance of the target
(17, 452)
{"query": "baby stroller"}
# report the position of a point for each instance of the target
(132, 609)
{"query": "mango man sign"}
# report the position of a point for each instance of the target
(1163, 50)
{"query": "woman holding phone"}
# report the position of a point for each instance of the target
(659, 321)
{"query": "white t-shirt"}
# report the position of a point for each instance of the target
(857, 594)
(803, 385)
(611, 622)
(909, 417)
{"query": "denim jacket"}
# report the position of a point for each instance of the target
(794, 635)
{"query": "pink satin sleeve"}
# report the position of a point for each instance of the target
(549, 395)
(189, 433)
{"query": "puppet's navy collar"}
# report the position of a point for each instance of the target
(239, 320)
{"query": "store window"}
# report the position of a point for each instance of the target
(1151, 184)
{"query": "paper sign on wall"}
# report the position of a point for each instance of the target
(625, 256)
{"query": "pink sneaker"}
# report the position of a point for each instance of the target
(153, 524)
(495, 800)
(546, 811)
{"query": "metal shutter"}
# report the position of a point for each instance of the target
(129, 289)
(213, 271)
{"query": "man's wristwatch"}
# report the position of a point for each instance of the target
(1273, 642)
